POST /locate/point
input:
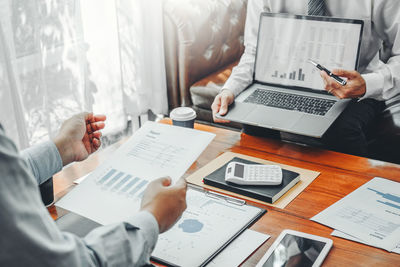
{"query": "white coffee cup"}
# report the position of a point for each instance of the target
(183, 116)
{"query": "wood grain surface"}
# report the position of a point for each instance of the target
(340, 175)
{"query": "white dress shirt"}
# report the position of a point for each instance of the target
(29, 236)
(381, 24)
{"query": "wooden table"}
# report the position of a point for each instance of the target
(340, 175)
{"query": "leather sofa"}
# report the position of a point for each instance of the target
(204, 41)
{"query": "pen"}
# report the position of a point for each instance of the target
(335, 77)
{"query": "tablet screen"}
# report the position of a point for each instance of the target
(295, 251)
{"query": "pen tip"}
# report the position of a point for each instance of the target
(312, 62)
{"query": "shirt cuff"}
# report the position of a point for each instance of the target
(44, 160)
(233, 86)
(374, 85)
(148, 225)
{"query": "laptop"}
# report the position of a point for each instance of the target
(287, 93)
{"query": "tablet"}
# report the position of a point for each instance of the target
(294, 248)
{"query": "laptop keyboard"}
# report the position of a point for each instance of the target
(306, 104)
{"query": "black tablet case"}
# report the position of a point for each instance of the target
(267, 194)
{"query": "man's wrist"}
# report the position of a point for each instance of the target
(65, 150)
(226, 90)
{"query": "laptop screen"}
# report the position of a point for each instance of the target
(286, 43)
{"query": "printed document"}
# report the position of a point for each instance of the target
(240, 249)
(81, 179)
(349, 237)
(371, 213)
(208, 223)
(113, 191)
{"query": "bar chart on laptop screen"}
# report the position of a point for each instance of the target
(285, 45)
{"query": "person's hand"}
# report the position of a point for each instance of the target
(165, 202)
(79, 136)
(355, 87)
(221, 103)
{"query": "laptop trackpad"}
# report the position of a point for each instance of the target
(274, 118)
(238, 111)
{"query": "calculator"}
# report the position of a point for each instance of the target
(253, 174)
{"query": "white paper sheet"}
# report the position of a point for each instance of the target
(81, 179)
(352, 238)
(240, 249)
(208, 223)
(113, 191)
(371, 213)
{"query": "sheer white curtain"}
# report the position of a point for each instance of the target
(59, 57)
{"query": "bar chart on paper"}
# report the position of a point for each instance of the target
(389, 197)
(371, 214)
(122, 184)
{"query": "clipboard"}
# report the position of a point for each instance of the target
(199, 248)
(81, 226)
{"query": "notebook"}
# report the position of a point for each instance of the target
(268, 194)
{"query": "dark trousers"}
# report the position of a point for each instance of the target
(351, 131)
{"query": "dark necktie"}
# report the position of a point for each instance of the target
(316, 8)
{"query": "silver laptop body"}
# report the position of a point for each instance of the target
(285, 44)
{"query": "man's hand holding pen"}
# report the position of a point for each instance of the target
(355, 87)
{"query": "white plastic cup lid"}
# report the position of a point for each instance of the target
(183, 114)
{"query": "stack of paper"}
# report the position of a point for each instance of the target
(369, 215)
(240, 249)
(349, 237)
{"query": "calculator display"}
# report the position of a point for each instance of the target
(239, 170)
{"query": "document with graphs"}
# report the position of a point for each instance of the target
(210, 222)
(117, 185)
(370, 214)
(349, 237)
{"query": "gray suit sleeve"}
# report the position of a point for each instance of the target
(43, 160)
(31, 238)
